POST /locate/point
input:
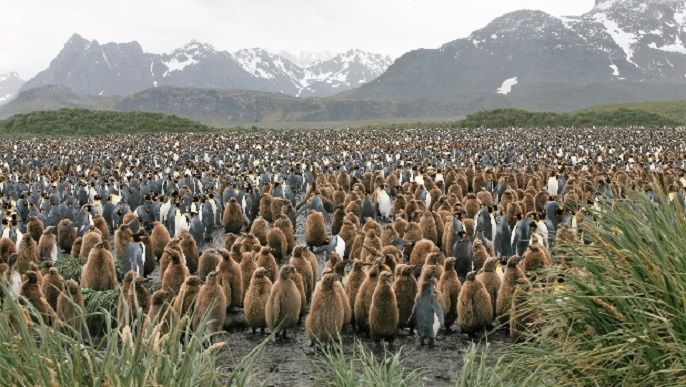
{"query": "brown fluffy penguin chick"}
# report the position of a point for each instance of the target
(26, 253)
(356, 278)
(449, 286)
(513, 274)
(99, 272)
(160, 238)
(491, 280)
(210, 305)
(230, 279)
(161, 310)
(208, 262)
(70, 305)
(65, 235)
(190, 251)
(348, 232)
(428, 226)
(277, 241)
(233, 217)
(303, 266)
(166, 258)
(138, 298)
(266, 259)
(413, 233)
(479, 254)
(371, 243)
(535, 259)
(474, 308)
(248, 267)
(325, 321)
(122, 236)
(383, 313)
(259, 229)
(31, 290)
(389, 235)
(176, 272)
(283, 223)
(100, 223)
(266, 207)
(35, 228)
(47, 244)
(255, 301)
(337, 219)
(184, 303)
(472, 205)
(299, 283)
(52, 285)
(283, 305)
(422, 249)
(363, 300)
(7, 248)
(33, 266)
(315, 229)
(249, 242)
(124, 290)
(76, 248)
(276, 208)
(88, 242)
(405, 289)
(230, 239)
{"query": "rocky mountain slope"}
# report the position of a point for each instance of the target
(621, 50)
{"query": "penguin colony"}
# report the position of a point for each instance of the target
(428, 234)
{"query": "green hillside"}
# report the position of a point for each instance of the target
(84, 122)
(672, 109)
(619, 117)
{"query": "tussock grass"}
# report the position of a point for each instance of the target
(34, 354)
(363, 368)
(621, 319)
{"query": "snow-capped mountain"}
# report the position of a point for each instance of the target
(124, 68)
(621, 50)
(10, 84)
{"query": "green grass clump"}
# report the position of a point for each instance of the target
(362, 368)
(621, 319)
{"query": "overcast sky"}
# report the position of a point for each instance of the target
(32, 32)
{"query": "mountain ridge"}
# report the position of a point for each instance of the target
(88, 67)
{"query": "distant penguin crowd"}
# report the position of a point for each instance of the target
(380, 233)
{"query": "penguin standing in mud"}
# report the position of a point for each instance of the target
(428, 310)
(283, 305)
(383, 312)
(256, 298)
(325, 321)
(474, 308)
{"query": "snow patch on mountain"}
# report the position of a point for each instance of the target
(506, 87)
(625, 40)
